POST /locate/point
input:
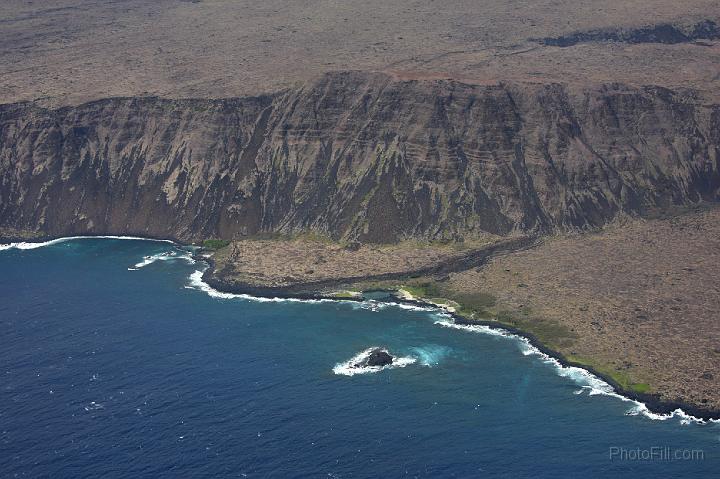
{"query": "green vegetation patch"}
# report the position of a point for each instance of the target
(622, 378)
(476, 300)
(348, 294)
(549, 332)
(642, 388)
(423, 289)
(315, 237)
(215, 244)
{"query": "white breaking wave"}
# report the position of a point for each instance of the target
(446, 322)
(588, 381)
(32, 245)
(94, 406)
(165, 256)
(347, 368)
(374, 305)
(196, 282)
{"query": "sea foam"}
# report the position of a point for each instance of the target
(430, 355)
(196, 282)
(375, 305)
(164, 256)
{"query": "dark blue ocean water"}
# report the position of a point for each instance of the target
(109, 372)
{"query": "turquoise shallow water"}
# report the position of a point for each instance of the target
(113, 366)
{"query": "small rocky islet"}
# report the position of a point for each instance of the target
(376, 358)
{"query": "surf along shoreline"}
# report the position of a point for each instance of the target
(652, 402)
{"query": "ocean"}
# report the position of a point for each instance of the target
(117, 361)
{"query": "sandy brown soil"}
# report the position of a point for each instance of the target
(70, 51)
(640, 301)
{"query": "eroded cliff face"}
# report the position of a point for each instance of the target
(357, 156)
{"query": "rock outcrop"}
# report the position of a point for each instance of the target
(376, 358)
(358, 157)
(666, 33)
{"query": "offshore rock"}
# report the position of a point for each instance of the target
(376, 358)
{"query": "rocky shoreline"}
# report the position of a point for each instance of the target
(323, 291)
(653, 402)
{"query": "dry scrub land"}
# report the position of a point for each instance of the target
(302, 265)
(284, 263)
(71, 51)
(639, 302)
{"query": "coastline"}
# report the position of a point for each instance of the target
(651, 402)
(8, 242)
